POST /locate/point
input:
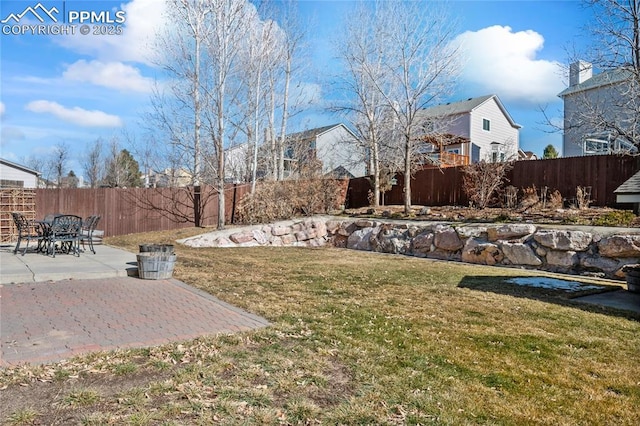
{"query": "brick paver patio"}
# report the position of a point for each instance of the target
(50, 321)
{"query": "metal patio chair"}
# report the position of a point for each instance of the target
(86, 233)
(27, 230)
(64, 234)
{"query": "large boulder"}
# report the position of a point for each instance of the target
(620, 246)
(365, 223)
(520, 254)
(280, 230)
(562, 259)
(471, 231)
(390, 240)
(333, 226)
(598, 263)
(223, 242)
(510, 231)
(564, 240)
(447, 239)
(361, 239)
(260, 237)
(422, 243)
(320, 227)
(347, 228)
(241, 237)
(476, 251)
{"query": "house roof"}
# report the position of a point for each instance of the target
(464, 107)
(602, 79)
(314, 133)
(19, 167)
(526, 155)
(631, 186)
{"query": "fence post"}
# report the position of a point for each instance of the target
(233, 203)
(196, 206)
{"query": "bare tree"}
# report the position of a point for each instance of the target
(362, 51)
(261, 54)
(292, 46)
(421, 71)
(59, 161)
(93, 163)
(201, 51)
(406, 56)
(223, 47)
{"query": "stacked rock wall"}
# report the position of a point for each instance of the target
(515, 245)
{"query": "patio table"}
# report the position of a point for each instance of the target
(61, 232)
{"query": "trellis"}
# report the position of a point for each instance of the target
(15, 200)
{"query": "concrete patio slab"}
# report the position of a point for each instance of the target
(37, 267)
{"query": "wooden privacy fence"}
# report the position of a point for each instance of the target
(433, 187)
(133, 210)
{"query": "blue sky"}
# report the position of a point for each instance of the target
(74, 89)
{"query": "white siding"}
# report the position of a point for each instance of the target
(338, 148)
(500, 130)
(575, 105)
(14, 174)
(236, 163)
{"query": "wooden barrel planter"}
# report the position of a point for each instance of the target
(156, 265)
(632, 273)
(156, 248)
(156, 261)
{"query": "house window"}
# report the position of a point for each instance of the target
(497, 152)
(486, 124)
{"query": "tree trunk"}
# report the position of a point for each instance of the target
(407, 175)
(283, 127)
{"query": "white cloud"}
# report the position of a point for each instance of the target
(500, 61)
(79, 116)
(115, 75)
(2, 109)
(143, 19)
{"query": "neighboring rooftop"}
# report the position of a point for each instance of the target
(464, 107)
(19, 166)
(605, 78)
(313, 133)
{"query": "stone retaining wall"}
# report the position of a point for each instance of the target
(515, 245)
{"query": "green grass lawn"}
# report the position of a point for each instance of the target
(356, 338)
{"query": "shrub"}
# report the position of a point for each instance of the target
(583, 197)
(555, 200)
(482, 182)
(286, 199)
(615, 218)
(529, 197)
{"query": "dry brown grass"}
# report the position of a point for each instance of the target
(358, 338)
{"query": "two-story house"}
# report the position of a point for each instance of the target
(596, 109)
(334, 148)
(330, 150)
(468, 131)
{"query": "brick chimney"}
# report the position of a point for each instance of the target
(579, 72)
